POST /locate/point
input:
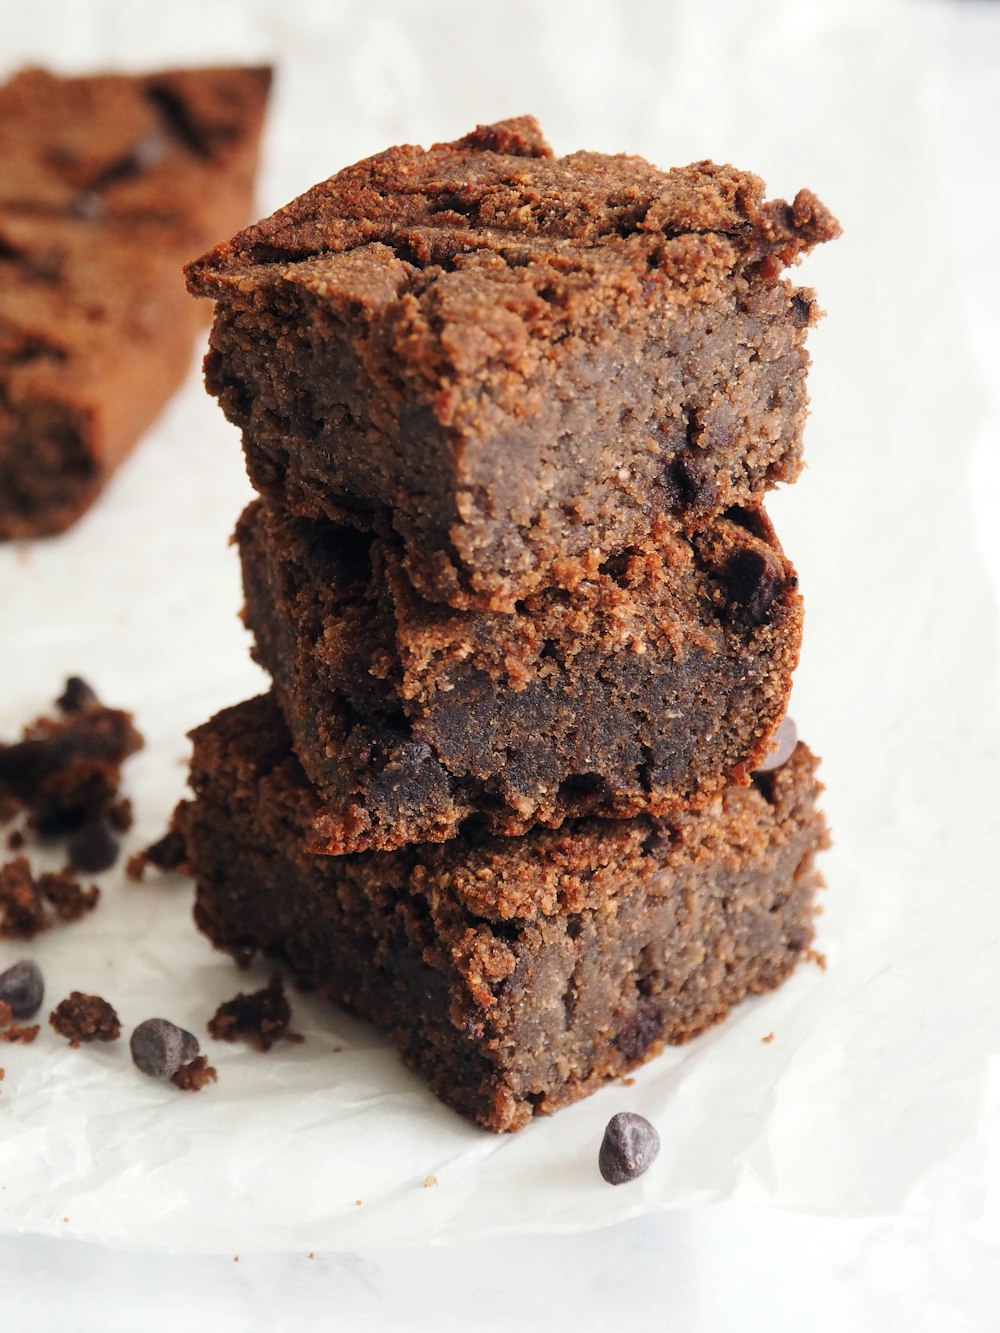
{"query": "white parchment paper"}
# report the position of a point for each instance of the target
(877, 1065)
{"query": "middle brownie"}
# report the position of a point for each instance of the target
(649, 687)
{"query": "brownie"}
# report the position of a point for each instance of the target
(107, 185)
(514, 974)
(652, 684)
(85, 1018)
(516, 362)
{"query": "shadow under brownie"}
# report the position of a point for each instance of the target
(515, 975)
(651, 685)
(515, 361)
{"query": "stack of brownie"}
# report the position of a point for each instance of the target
(522, 792)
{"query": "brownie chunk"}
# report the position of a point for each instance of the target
(516, 361)
(515, 975)
(107, 185)
(654, 683)
(260, 1017)
(66, 771)
(195, 1075)
(85, 1018)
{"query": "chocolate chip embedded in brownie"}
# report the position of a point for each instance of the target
(518, 361)
(652, 684)
(107, 185)
(515, 975)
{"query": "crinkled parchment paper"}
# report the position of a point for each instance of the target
(875, 1071)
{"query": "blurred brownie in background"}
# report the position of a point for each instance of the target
(107, 185)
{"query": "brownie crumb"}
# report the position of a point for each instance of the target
(22, 911)
(193, 1076)
(23, 897)
(166, 854)
(262, 1017)
(120, 815)
(15, 838)
(66, 894)
(92, 847)
(83, 1018)
(18, 1032)
(65, 772)
(11, 1031)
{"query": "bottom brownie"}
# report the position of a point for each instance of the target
(515, 974)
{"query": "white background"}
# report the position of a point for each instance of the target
(936, 1263)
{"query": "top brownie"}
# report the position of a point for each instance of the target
(515, 361)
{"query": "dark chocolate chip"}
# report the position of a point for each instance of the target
(695, 483)
(85, 1018)
(77, 696)
(629, 1148)
(160, 1047)
(407, 757)
(753, 581)
(22, 987)
(801, 311)
(617, 566)
(782, 747)
(92, 847)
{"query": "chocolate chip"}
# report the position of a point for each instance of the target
(160, 1047)
(617, 566)
(801, 311)
(782, 747)
(22, 987)
(695, 483)
(753, 581)
(77, 696)
(629, 1148)
(92, 847)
